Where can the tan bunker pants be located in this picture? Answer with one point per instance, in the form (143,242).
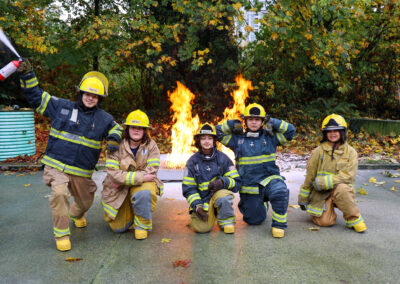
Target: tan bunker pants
(62,187)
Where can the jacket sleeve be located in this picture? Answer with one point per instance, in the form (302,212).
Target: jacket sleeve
(40,100)
(225,134)
(311,173)
(118,175)
(231,177)
(114,132)
(189,188)
(346,174)
(283,130)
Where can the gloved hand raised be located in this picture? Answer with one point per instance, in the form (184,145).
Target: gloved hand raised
(112,146)
(201,213)
(24,67)
(237,127)
(215,185)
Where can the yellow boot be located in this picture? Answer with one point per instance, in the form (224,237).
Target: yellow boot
(63,244)
(360,227)
(140,234)
(229,229)
(80,223)
(278,233)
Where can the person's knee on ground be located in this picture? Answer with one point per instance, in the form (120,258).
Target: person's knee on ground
(253,209)
(328,217)
(200,226)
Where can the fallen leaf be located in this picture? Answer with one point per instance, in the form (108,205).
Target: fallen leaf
(314,228)
(47,196)
(165,240)
(20,175)
(27,184)
(393,188)
(73,259)
(295,206)
(365,184)
(372,179)
(389,174)
(180,213)
(362,191)
(170,198)
(377,183)
(183,263)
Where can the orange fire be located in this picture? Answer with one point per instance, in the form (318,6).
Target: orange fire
(185,126)
(239,97)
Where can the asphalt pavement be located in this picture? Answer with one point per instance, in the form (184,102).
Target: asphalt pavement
(329,255)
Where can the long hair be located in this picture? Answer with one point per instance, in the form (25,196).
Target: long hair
(145,139)
(197,141)
(342,139)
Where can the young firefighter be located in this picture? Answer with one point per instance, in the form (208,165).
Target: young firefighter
(74,146)
(131,186)
(329,182)
(255,159)
(209,181)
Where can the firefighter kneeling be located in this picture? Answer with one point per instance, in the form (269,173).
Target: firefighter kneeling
(329,182)
(131,186)
(209,181)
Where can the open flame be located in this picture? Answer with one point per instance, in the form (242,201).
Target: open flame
(185,126)
(239,98)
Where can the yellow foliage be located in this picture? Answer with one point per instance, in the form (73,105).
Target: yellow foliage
(149,65)
(274,35)
(237,6)
(213,22)
(209,61)
(372,179)
(308,36)
(220,28)
(248,29)
(362,191)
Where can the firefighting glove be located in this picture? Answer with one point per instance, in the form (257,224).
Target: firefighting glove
(215,185)
(268,126)
(303,207)
(201,213)
(112,146)
(24,67)
(237,127)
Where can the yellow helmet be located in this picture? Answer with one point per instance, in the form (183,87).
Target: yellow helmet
(206,129)
(334,122)
(254,110)
(94,83)
(137,118)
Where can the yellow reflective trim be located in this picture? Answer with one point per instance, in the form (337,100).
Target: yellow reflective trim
(226,139)
(189,181)
(66,168)
(73,138)
(112,164)
(193,197)
(109,210)
(43,104)
(141,225)
(225,128)
(130,178)
(249,189)
(267,180)
(256,159)
(279,218)
(61,232)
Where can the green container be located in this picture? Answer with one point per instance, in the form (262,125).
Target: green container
(17,133)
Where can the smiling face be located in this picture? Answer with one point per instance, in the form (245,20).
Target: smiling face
(333,135)
(253,123)
(90,100)
(206,142)
(136,133)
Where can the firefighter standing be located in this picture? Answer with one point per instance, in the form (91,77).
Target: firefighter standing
(329,182)
(74,146)
(255,154)
(209,181)
(131,186)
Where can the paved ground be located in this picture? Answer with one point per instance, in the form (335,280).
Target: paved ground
(251,255)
